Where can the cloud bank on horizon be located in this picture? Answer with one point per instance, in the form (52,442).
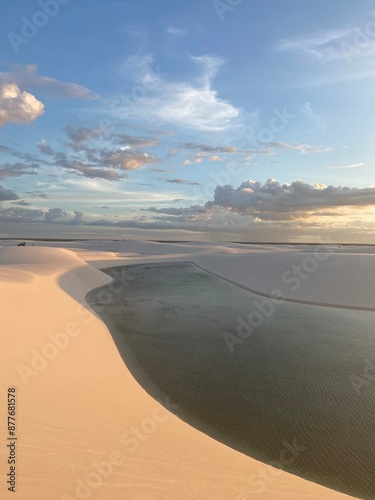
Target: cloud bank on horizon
(161,120)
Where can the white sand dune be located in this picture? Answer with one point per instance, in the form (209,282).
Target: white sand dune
(85,427)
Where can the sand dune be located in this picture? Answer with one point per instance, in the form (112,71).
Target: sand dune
(85,428)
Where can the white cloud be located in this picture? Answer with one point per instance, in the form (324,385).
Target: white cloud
(178,32)
(320,121)
(217,158)
(354,165)
(210,66)
(323,46)
(351,43)
(302,148)
(193,105)
(17,106)
(92,185)
(200,157)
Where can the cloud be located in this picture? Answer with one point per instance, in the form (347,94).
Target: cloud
(207,149)
(193,105)
(92,185)
(17,170)
(27,77)
(302,148)
(273,201)
(17,106)
(183,181)
(54,214)
(18,214)
(7,194)
(23,156)
(80,136)
(263,207)
(45,148)
(91,171)
(198,158)
(252,206)
(110,163)
(354,165)
(212,153)
(37,194)
(333,50)
(323,46)
(210,66)
(126,159)
(5,149)
(320,122)
(21,203)
(190,212)
(216,158)
(78,218)
(130,140)
(178,32)
(87,156)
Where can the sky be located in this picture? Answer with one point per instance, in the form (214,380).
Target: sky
(219,120)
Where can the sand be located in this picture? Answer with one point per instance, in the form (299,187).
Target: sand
(85,428)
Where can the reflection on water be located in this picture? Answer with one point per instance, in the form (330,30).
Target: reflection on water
(300,381)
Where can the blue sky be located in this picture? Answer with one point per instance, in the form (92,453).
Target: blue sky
(220,120)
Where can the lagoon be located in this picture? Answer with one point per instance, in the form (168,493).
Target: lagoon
(298,392)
